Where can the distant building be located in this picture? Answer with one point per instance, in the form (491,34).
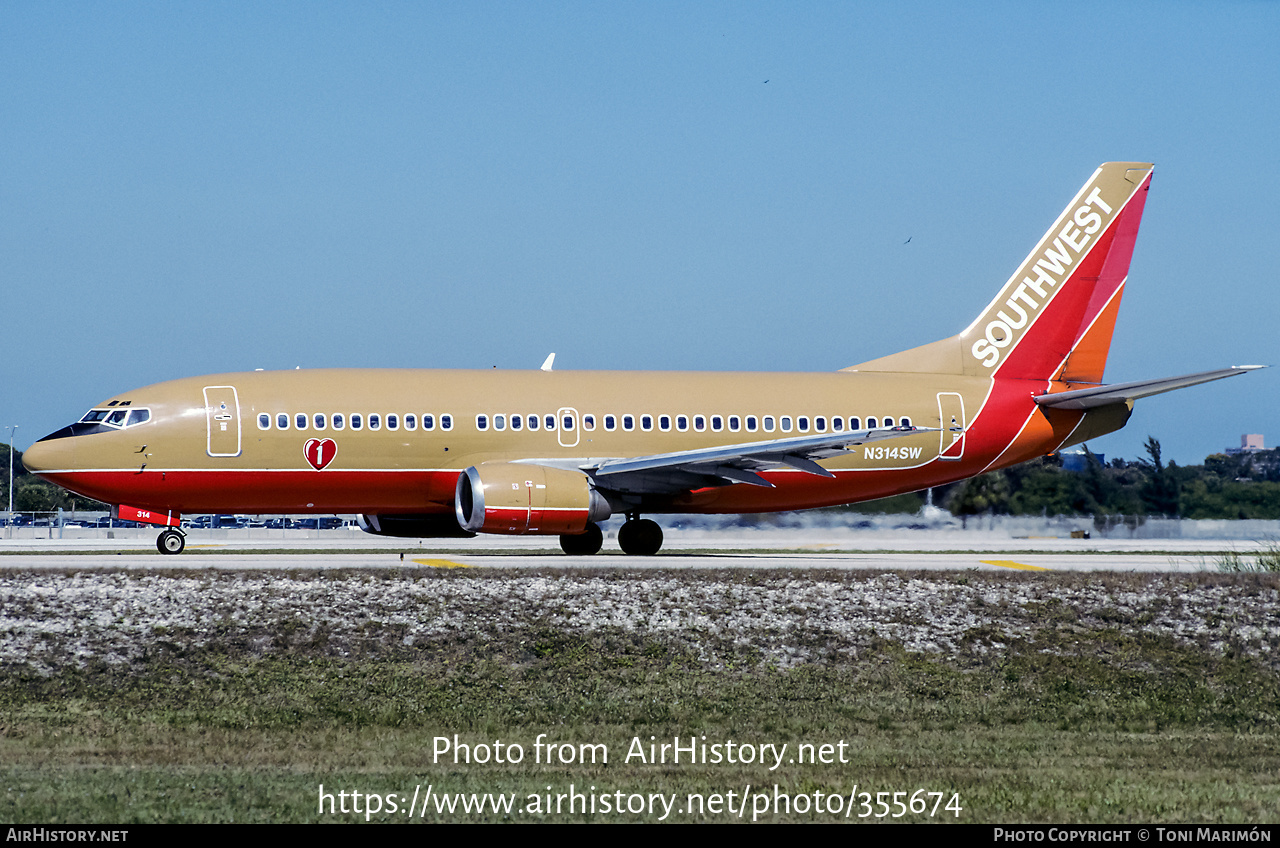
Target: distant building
(1078,460)
(1249,443)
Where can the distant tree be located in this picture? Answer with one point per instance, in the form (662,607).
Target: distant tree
(1225,467)
(982,495)
(1121,492)
(1160,493)
(1049,490)
(1100,486)
(31,494)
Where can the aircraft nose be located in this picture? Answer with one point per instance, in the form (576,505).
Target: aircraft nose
(49,454)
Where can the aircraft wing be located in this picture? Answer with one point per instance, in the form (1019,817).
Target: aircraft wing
(718,466)
(1120,392)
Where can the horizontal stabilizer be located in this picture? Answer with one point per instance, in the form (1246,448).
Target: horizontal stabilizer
(1121,392)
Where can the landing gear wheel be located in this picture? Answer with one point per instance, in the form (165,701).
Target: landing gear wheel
(640,537)
(171,542)
(586,543)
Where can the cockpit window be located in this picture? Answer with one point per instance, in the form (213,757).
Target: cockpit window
(120,417)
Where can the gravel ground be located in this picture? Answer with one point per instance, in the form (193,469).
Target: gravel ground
(49,621)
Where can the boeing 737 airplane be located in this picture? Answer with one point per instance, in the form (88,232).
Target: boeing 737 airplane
(455,453)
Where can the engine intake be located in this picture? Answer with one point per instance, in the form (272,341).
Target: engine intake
(511,498)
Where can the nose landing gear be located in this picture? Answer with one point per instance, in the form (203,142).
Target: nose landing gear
(171,542)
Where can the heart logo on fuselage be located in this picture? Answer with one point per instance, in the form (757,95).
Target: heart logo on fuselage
(320,452)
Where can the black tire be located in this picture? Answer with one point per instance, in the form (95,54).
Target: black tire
(171,542)
(586,543)
(641,537)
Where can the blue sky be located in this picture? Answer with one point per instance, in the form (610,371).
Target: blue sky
(192,188)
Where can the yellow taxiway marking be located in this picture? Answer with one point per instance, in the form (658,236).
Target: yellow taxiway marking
(1005,563)
(442,563)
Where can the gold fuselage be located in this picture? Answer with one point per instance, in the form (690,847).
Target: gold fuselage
(180,461)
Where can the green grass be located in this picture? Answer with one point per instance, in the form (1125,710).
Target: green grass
(1085,718)
(1267,559)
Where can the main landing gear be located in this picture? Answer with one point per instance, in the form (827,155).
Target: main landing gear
(171,542)
(584,544)
(637,537)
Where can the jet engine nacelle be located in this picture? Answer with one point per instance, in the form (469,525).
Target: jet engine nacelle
(511,498)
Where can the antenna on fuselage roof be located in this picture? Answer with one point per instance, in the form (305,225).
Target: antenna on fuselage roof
(546,366)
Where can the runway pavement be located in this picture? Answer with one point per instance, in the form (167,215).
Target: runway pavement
(705,547)
(210,558)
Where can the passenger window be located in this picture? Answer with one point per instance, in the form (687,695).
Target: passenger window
(855,423)
(516,422)
(338,421)
(482,422)
(629,423)
(802,423)
(375,421)
(819,424)
(533,422)
(717,423)
(318,420)
(300,421)
(393,422)
(550,422)
(264,421)
(357,421)
(646,422)
(499,422)
(699,422)
(905,422)
(588,422)
(410,421)
(682,423)
(786,423)
(446,422)
(282,421)
(610,423)
(428,422)
(735,423)
(568,423)
(664,422)
(768,423)
(871,423)
(751,423)
(837,424)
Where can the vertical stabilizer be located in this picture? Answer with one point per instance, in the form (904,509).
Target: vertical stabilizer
(1068,289)
(1054,317)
